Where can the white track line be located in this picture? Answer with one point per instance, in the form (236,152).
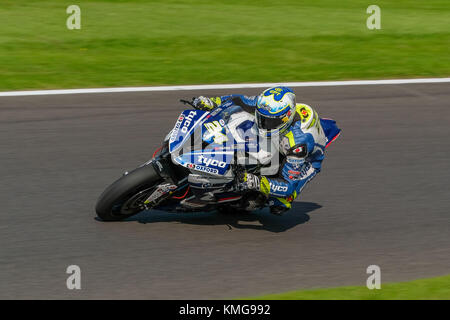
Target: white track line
(222,86)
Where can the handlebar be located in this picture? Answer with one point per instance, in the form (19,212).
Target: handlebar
(188,102)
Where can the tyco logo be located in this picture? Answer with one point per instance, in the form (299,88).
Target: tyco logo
(212,162)
(187,121)
(276,188)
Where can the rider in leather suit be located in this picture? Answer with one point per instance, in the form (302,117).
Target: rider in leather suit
(301,142)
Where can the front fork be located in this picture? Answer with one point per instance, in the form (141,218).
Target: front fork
(174,178)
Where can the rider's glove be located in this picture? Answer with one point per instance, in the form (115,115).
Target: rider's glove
(248,181)
(204,103)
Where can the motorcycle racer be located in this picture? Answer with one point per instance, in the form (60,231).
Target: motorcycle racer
(301,137)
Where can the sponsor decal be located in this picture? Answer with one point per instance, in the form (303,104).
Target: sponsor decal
(212,162)
(201,168)
(276,188)
(176,128)
(187,121)
(298,150)
(160,191)
(304,112)
(206,169)
(215,112)
(296,162)
(160,167)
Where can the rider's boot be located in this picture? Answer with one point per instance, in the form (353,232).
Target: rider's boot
(279,205)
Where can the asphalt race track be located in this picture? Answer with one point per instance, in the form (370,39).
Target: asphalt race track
(382,198)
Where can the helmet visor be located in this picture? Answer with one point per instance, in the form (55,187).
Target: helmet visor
(268,123)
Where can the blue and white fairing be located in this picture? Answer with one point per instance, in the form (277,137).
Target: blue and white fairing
(201,141)
(184,126)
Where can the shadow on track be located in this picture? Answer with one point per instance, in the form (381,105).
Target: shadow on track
(259,220)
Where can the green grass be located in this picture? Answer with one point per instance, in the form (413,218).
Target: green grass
(137,42)
(434,288)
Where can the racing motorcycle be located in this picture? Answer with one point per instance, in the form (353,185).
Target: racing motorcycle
(197,166)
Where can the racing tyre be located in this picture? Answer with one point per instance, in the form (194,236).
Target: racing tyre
(125,197)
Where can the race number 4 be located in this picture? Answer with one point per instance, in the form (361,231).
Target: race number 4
(215,129)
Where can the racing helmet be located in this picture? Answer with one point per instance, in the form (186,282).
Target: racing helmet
(275,110)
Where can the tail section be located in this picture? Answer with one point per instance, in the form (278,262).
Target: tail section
(330,129)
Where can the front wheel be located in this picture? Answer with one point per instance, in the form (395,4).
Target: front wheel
(125,197)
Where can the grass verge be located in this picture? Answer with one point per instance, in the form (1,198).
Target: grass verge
(423,289)
(137,42)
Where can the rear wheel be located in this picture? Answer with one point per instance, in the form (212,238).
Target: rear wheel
(126,196)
